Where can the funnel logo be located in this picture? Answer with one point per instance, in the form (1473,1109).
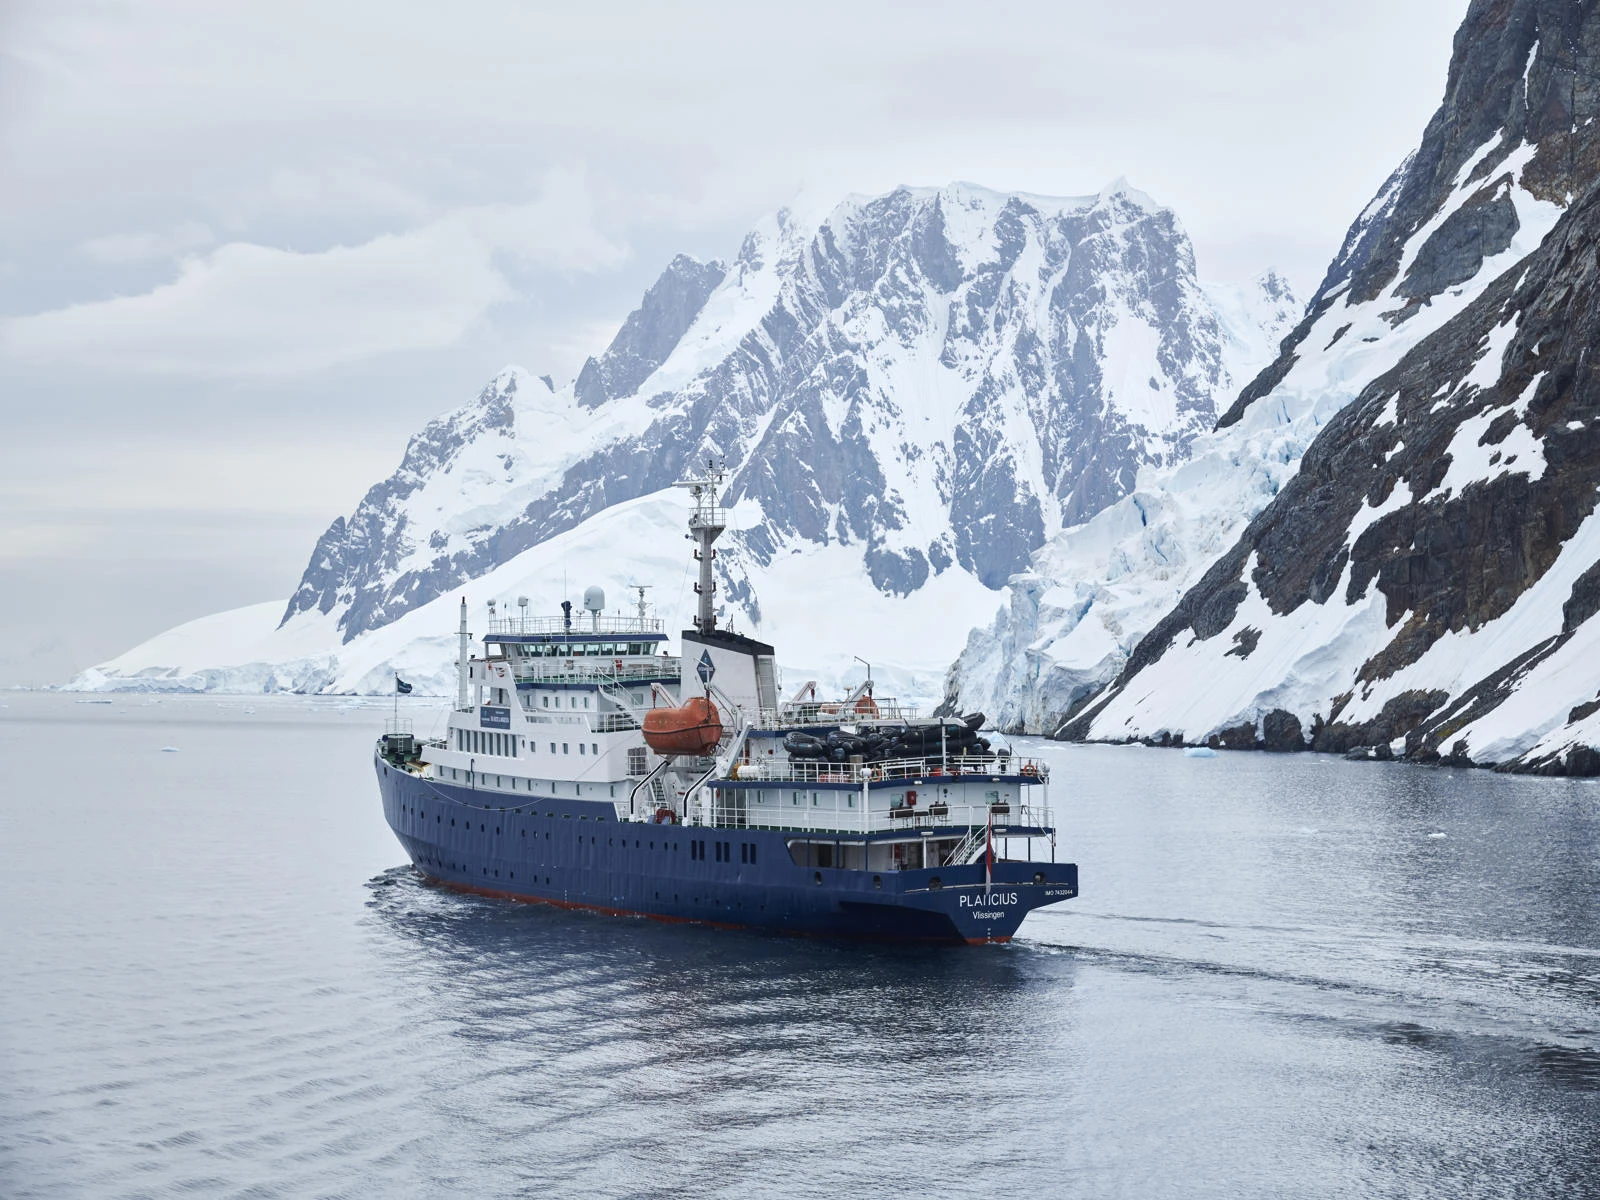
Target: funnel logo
(706,669)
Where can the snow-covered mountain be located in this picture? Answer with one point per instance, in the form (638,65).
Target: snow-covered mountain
(911,391)
(1389,539)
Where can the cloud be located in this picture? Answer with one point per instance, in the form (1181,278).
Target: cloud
(250,310)
(119,248)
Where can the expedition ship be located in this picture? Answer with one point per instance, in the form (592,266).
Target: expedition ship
(584,765)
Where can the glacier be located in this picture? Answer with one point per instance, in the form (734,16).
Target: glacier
(912,392)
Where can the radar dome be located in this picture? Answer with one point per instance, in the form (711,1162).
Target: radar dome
(594,599)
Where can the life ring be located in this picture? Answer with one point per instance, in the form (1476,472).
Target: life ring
(1029,769)
(616,663)
(665,816)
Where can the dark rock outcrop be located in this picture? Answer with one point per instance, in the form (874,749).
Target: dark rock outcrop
(798,405)
(1452,484)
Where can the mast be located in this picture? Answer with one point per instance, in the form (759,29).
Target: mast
(706,523)
(462,670)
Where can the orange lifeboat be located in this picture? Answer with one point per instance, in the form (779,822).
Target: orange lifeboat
(691,728)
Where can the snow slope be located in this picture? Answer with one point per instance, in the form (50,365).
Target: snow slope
(911,392)
(1405,554)
(1471,203)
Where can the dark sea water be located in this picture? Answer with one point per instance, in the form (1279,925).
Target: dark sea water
(1287,976)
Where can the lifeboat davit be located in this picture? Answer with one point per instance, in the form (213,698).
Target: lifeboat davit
(693,728)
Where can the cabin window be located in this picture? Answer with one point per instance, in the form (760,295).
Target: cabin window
(552,747)
(594,747)
(797,796)
(564,749)
(546,701)
(580,748)
(850,800)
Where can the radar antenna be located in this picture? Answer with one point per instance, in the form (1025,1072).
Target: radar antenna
(644,608)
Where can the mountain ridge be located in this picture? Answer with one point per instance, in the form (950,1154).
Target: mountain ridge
(1326,614)
(918,387)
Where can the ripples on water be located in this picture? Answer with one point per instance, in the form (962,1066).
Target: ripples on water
(1281,981)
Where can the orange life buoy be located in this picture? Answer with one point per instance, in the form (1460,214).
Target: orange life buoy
(665,816)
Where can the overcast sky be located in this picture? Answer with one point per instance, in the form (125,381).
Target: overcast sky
(247,248)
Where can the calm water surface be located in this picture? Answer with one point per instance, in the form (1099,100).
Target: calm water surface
(1286,977)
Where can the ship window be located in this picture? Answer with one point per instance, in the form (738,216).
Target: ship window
(580,748)
(594,747)
(552,747)
(752,852)
(850,800)
(564,747)
(546,700)
(797,796)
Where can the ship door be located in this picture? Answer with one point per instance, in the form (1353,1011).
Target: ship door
(734,810)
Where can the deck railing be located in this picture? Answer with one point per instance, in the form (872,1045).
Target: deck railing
(594,669)
(580,625)
(837,712)
(808,771)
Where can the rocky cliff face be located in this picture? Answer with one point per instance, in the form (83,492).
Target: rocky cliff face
(912,391)
(1424,584)
(1495,168)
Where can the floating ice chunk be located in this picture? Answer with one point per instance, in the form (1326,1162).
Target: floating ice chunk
(1199,752)
(169,749)
(1438,835)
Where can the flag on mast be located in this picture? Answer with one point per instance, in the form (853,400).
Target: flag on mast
(401,687)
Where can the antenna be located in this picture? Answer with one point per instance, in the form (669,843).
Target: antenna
(642,588)
(707,520)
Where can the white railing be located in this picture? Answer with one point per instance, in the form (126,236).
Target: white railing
(836,712)
(851,813)
(581,624)
(594,669)
(955,766)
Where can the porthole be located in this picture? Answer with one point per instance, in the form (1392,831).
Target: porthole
(817,876)
(877,881)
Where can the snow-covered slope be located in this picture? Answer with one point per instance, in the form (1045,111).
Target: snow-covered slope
(1420,573)
(911,391)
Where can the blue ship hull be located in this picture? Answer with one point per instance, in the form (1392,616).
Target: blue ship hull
(576,854)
